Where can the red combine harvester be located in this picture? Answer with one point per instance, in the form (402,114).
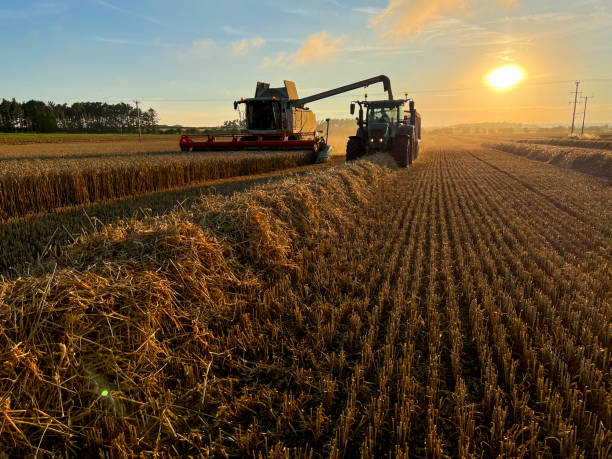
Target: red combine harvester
(277,119)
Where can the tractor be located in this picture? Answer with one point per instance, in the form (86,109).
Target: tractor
(386,127)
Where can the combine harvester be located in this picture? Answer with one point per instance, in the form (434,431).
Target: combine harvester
(277,119)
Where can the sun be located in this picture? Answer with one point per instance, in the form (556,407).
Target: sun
(505,77)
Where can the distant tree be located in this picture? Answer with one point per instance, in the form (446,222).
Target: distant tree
(39,117)
(17,116)
(236,124)
(153,119)
(94,117)
(6,123)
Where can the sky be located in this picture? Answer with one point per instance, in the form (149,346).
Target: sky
(191,59)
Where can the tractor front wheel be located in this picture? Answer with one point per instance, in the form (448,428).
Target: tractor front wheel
(354,148)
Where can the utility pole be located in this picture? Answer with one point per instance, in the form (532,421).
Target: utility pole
(586,99)
(139,130)
(575,103)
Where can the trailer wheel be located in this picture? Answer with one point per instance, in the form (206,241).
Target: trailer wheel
(354,148)
(401,150)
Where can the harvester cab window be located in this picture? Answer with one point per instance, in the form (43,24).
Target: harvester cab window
(263,116)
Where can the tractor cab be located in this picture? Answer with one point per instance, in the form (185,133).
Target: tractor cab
(380,123)
(382,120)
(382,112)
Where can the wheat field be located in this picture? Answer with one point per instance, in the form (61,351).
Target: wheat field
(30,185)
(67,145)
(461,307)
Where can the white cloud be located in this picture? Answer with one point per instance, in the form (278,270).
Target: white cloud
(202,48)
(246,44)
(318,48)
(368,10)
(125,11)
(408,17)
(335,3)
(289,41)
(384,50)
(232,30)
(279,60)
(115,41)
(298,11)
(123,41)
(537,18)
(454,32)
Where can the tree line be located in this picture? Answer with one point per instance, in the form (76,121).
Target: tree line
(80,117)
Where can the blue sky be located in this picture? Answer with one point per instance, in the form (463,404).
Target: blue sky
(190,59)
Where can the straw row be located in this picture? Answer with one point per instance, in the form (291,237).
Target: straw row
(569,142)
(590,161)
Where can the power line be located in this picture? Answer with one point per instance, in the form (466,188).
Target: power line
(416,91)
(139,130)
(586,99)
(575,103)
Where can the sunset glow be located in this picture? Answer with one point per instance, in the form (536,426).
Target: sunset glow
(505,77)
(442,52)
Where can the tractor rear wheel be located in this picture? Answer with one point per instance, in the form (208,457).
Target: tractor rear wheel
(354,148)
(401,150)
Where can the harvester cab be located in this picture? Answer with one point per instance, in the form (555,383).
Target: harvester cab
(271,111)
(386,126)
(276,118)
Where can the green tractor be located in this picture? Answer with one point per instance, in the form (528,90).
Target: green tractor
(388,127)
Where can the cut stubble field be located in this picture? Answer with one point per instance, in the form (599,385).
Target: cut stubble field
(460,307)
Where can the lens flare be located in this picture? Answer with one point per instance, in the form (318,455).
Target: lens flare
(505,77)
